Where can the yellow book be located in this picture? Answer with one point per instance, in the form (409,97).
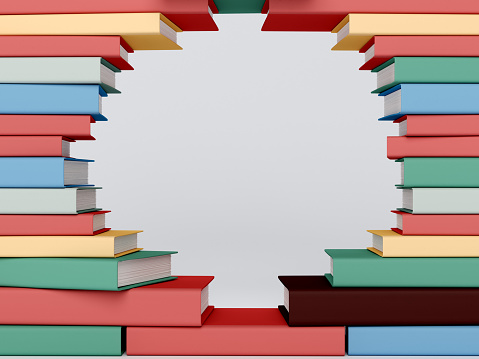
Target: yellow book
(108,244)
(142,31)
(357,29)
(392,244)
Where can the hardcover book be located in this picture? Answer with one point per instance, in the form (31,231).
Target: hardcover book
(438,125)
(34,146)
(440,200)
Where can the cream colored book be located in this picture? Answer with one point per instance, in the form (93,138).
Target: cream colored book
(110,244)
(392,244)
(357,29)
(142,31)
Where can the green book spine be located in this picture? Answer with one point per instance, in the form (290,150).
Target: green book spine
(239,7)
(61,340)
(431,70)
(441,171)
(362,268)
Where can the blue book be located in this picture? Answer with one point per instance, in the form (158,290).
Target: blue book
(39,99)
(412,340)
(430,99)
(43,172)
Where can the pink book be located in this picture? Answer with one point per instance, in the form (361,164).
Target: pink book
(438,125)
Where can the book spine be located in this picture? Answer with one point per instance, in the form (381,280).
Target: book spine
(29,146)
(443,224)
(405,146)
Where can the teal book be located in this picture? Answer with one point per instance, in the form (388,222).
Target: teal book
(362,268)
(439,172)
(61,340)
(112,274)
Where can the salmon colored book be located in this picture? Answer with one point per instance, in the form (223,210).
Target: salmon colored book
(35,146)
(236,331)
(438,125)
(181,302)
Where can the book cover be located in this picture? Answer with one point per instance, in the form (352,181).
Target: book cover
(239,331)
(405,146)
(440,200)
(409,340)
(438,125)
(34,146)
(362,268)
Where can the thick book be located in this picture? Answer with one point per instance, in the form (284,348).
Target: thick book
(438,125)
(43,172)
(75,127)
(412,340)
(61,340)
(141,31)
(362,268)
(391,244)
(59,70)
(430,99)
(46,99)
(433,70)
(35,146)
(48,200)
(440,200)
(409,224)
(113,49)
(110,244)
(238,331)
(183,302)
(312,301)
(439,172)
(455,146)
(113,274)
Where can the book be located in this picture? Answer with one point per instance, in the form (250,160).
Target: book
(190,15)
(241,7)
(440,200)
(312,301)
(355,30)
(362,268)
(433,70)
(391,244)
(125,272)
(383,48)
(410,340)
(48,200)
(35,146)
(238,331)
(75,127)
(182,302)
(43,172)
(430,99)
(403,146)
(141,31)
(59,70)
(52,100)
(113,49)
(110,244)
(438,125)
(409,224)
(61,340)
(439,172)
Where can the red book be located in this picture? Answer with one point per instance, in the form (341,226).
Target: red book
(189,15)
(35,146)
(403,146)
(324,15)
(237,332)
(438,125)
(76,127)
(382,48)
(112,48)
(437,224)
(84,224)
(174,303)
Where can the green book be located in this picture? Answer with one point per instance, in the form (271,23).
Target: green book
(239,6)
(402,70)
(439,172)
(362,268)
(61,340)
(113,274)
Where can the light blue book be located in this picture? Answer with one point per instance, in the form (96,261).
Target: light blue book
(43,99)
(43,172)
(413,340)
(430,99)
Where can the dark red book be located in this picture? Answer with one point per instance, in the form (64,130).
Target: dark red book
(312,301)
(382,48)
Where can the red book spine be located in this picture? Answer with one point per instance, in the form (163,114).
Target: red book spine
(403,146)
(441,125)
(438,224)
(237,332)
(387,47)
(32,146)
